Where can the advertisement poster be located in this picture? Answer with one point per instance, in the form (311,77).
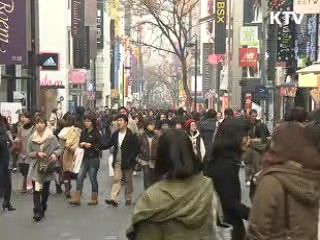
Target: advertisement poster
(248,57)
(249,36)
(11,111)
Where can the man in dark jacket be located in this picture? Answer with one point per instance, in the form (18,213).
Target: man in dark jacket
(207,129)
(126,149)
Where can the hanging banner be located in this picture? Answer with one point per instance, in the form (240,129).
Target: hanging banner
(220,27)
(248,57)
(13,40)
(307,6)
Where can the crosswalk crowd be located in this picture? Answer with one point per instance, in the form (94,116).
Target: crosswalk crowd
(190,164)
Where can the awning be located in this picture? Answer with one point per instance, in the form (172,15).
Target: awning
(308,80)
(315,68)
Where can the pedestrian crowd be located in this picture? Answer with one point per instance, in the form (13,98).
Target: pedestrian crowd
(190,164)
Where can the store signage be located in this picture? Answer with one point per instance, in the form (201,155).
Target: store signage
(284,17)
(286,40)
(207,70)
(220,26)
(100,27)
(78,76)
(249,36)
(248,57)
(81,38)
(307,6)
(77,16)
(48,83)
(13,40)
(49,61)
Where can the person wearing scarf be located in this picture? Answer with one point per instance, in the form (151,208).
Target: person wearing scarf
(43,149)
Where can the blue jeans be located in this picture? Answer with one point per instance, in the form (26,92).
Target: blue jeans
(90,166)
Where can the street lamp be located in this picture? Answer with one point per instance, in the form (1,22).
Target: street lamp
(195,71)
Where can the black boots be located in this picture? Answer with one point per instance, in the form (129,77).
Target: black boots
(40,205)
(8,206)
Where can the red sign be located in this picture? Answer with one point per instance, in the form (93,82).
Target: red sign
(248,102)
(248,57)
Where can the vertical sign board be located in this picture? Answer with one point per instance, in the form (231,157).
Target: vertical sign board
(207,71)
(286,40)
(220,27)
(100,27)
(81,59)
(13,38)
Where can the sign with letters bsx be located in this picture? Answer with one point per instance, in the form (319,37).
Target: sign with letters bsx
(220,27)
(13,43)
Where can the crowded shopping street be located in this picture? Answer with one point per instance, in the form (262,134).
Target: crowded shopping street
(159,119)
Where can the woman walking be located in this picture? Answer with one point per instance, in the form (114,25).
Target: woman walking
(44,151)
(148,142)
(24,133)
(286,201)
(197,141)
(5,175)
(223,167)
(180,205)
(90,142)
(69,138)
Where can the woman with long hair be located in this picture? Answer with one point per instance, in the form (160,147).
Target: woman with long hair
(286,200)
(43,150)
(69,138)
(180,204)
(90,142)
(5,175)
(223,167)
(197,141)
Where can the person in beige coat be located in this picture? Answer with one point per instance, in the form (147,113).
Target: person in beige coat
(286,201)
(69,138)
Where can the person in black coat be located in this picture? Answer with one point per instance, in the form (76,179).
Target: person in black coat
(223,168)
(5,175)
(126,149)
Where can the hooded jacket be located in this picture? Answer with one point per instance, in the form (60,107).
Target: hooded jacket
(286,200)
(175,210)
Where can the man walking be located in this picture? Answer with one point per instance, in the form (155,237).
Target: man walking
(126,149)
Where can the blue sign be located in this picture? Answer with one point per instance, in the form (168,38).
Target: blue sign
(261,91)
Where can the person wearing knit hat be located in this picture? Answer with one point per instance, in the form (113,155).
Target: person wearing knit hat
(286,201)
(197,142)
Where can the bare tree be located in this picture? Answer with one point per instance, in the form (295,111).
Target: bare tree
(169,21)
(159,75)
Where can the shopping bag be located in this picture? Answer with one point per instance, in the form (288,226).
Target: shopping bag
(110,161)
(77,160)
